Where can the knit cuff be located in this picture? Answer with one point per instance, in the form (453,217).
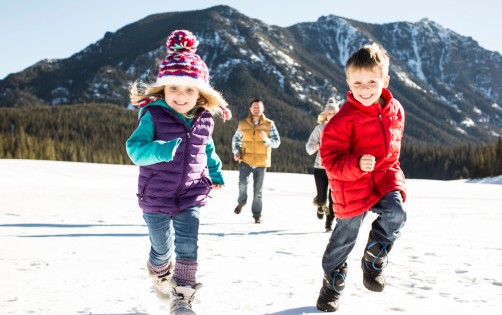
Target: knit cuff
(184,273)
(160,271)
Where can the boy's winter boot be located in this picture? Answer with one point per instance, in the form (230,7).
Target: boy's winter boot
(373,262)
(332,285)
(161,285)
(181,303)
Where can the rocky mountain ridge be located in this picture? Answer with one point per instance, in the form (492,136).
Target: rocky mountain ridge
(450,87)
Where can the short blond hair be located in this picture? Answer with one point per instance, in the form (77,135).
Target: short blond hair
(369,57)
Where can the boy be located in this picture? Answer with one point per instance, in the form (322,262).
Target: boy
(360,149)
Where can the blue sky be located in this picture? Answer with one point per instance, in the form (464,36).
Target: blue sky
(33,30)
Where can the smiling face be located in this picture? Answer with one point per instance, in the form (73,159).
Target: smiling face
(181,98)
(330,114)
(256,109)
(366,85)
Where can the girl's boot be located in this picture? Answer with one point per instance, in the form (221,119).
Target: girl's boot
(184,286)
(161,277)
(183,296)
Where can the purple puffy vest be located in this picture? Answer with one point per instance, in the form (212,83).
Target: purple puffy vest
(171,187)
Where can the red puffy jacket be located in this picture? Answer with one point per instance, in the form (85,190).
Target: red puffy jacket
(354,131)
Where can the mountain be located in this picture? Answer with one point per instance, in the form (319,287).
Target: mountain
(450,87)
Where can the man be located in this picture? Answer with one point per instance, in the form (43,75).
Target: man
(252,146)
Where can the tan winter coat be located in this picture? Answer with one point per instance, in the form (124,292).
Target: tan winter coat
(254,152)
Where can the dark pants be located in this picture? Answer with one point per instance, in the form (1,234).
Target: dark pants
(323,191)
(385,229)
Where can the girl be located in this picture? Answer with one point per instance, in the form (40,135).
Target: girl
(320,176)
(178,165)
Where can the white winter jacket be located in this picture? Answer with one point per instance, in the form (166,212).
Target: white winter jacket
(312,145)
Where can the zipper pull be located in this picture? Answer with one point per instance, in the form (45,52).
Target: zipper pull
(188,135)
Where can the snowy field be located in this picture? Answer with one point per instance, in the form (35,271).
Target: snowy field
(72,241)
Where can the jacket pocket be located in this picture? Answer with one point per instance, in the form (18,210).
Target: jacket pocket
(141,190)
(208,183)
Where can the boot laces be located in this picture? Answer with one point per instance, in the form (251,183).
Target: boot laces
(380,260)
(181,302)
(338,278)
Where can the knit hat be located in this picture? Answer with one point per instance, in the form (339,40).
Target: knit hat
(182,66)
(331,105)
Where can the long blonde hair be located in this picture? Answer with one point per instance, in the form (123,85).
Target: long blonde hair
(140,92)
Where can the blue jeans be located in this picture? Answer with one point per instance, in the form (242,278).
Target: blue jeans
(258,177)
(180,230)
(385,229)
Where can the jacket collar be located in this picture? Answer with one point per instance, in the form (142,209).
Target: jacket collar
(250,119)
(386,95)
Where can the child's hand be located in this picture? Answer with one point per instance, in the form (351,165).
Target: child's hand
(367,163)
(237,156)
(217,186)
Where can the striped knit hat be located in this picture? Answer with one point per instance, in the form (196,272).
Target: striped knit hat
(182,66)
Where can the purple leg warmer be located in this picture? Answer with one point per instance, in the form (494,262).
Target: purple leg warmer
(184,273)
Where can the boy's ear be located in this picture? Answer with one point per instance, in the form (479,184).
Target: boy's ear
(386,81)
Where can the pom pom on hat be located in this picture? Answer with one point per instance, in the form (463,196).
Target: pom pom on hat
(181,41)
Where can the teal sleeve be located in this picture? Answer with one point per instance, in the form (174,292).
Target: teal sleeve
(214,163)
(144,150)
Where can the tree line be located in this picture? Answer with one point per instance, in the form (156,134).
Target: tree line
(96,133)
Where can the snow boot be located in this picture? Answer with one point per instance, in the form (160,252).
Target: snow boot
(183,296)
(161,285)
(239,207)
(321,208)
(373,262)
(332,285)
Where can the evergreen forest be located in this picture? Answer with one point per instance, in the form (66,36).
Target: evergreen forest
(96,133)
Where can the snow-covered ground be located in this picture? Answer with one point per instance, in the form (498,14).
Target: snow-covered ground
(72,241)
